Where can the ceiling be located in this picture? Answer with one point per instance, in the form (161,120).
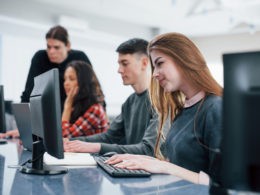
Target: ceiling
(195,18)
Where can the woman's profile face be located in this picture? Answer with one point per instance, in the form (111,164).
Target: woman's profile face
(166,72)
(57,50)
(70,80)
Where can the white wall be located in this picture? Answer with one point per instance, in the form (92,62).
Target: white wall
(16,56)
(215,46)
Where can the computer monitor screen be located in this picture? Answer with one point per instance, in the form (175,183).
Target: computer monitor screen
(46,123)
(2,110)
(241,132)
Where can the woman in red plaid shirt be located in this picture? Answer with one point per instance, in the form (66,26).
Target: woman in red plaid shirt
(84,113)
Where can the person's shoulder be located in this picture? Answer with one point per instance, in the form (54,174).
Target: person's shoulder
(40,56)
(129,100)
(78,55)
(130,97)
(41,53)
(135,97)
(96,106)
(213,101)
(74,52)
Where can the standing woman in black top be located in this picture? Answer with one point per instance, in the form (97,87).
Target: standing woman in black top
(57,55)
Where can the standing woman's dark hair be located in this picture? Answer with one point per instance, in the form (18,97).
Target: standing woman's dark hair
(89,91)
(59,33)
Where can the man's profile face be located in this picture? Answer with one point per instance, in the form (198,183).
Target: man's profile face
(130,68)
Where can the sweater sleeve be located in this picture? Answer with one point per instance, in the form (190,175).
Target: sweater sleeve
(92,122)
(145,147)
(34,70)
(114,134)
(110,140)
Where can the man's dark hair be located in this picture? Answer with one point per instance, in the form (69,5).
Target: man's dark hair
(131,46)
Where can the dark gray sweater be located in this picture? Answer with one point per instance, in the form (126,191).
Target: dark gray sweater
(133,131)
(182,145)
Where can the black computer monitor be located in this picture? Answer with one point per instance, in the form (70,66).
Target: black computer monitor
(46,123)
(2,110)
(241,132)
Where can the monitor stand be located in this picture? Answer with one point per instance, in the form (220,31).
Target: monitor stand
(38,167)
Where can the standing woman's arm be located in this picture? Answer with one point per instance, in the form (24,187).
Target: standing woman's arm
(35,70)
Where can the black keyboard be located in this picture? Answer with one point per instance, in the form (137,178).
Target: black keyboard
(119,172)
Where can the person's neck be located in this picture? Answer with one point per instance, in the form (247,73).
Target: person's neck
(194,99)
(141,86)
(189,91)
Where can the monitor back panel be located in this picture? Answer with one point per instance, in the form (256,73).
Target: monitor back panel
(22,116)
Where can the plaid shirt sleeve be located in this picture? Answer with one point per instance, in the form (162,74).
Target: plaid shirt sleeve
(92,122)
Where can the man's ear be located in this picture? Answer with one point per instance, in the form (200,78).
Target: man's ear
(145,62)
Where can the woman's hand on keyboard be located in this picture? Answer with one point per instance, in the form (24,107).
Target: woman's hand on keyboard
(131,161)
(152,165)
(146,163)
(123,157)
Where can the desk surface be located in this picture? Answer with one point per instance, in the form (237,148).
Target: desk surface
(88,180)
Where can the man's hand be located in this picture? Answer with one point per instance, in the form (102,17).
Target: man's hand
(13,134)
(80,146)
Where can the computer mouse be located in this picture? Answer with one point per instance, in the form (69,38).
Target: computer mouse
(109,154)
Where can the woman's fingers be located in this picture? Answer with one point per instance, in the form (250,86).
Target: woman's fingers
(73,92)
(119,158)
(115,159)
(128,164)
